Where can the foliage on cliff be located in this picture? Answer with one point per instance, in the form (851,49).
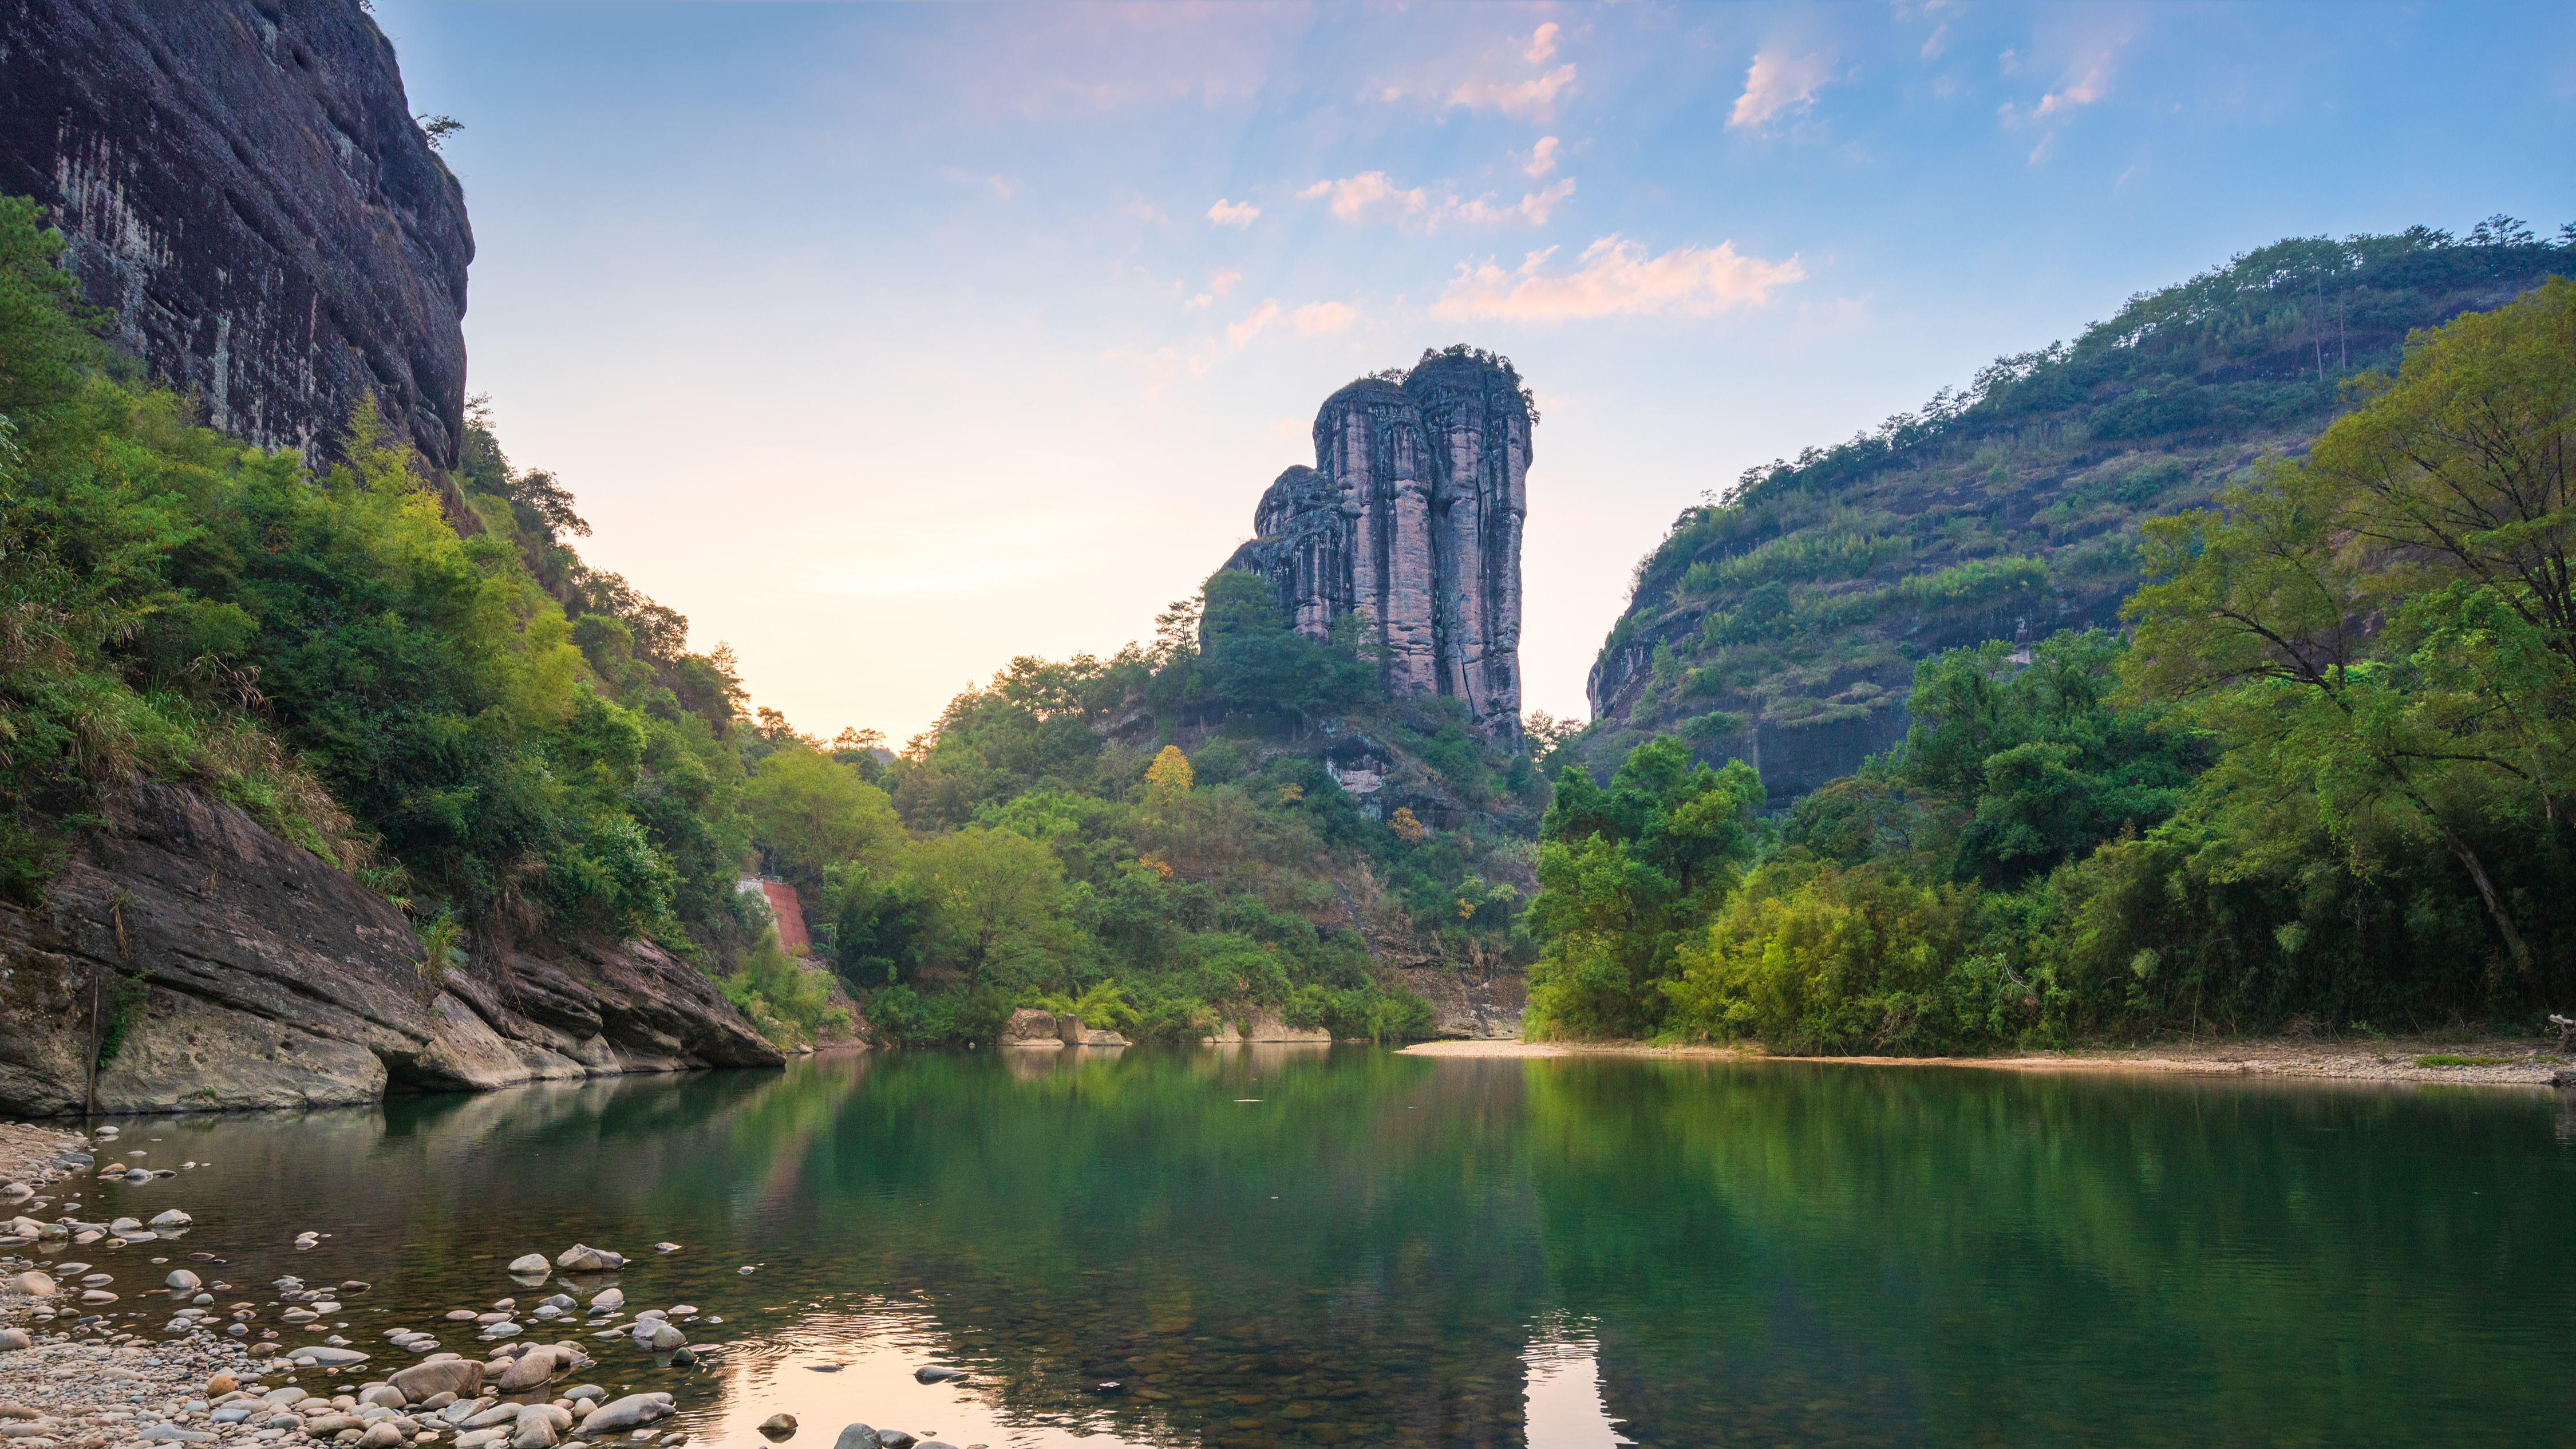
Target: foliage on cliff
(1781,622)
(514,742)
(2330,782)
(480,726)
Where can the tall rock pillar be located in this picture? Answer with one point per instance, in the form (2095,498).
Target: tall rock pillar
(1369,448)
(1478,427)
(1411,518)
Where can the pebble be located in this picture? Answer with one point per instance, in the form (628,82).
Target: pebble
(779,1426)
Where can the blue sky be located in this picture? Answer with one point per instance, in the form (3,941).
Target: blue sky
(890,341)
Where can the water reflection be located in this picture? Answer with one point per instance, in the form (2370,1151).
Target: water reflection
(1281,1246)
(1561,1399)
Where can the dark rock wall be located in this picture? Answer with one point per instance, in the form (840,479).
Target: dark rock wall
(243,187)
(258,976)
(1411,518)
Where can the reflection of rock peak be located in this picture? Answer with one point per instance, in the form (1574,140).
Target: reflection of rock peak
(1411,518)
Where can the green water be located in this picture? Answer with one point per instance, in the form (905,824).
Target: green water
(1390,1250)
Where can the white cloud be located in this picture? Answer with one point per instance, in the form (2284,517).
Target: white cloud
(1542,44)
(1530,210)
(1542,157)
(1617,278)
(1232,213)
(1372,199)
(1533,99)
(1369,197)
(1775,83)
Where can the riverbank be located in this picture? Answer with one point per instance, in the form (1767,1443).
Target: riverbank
(2490,1062)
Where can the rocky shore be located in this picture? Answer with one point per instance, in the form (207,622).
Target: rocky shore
(150,1346)
(215,966)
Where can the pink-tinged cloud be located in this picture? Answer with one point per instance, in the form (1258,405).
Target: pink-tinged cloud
(1312,320)
(1542,157)
(1370,198)
(1373,199)
(1531,210)
(1533,99)
(2093,87)
(1232,213)
(1617,278)
(1542,44)
(1241,333)
(1317,318)
(1778,83)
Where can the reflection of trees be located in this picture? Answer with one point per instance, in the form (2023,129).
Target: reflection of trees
(1116,1218)
(1901,1256)
(1767,1252)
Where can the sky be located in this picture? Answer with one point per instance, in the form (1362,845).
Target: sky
(890,342)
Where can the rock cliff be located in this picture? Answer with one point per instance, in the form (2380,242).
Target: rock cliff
(245,191)
(1411,518)
(231,969)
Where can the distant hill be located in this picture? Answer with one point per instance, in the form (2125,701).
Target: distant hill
(1780,622)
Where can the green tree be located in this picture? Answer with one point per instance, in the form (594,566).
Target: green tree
(2390,621)
(813,813)
(995,894)
(1624,874)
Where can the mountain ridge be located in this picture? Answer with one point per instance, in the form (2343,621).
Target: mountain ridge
(1780,622)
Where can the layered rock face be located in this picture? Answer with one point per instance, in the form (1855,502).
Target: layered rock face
(244,189)
(1411,519)
(241,971)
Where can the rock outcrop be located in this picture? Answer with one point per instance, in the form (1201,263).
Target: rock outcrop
(235,970)
(244,189)
(1411,519)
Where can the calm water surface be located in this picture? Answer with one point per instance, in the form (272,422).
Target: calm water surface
(1283,1246)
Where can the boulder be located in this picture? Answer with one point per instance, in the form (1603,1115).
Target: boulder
(36,1283)
(858,1436)
(171,1219)
(531,1369)
(627,1413)
(580,1259)
(529,1264)
(1030,1027)
(462,1377)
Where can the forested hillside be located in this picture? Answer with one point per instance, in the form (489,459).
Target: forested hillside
(416,676)
(2321,784)
(1781,622)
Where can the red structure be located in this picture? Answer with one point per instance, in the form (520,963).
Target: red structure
(790,916)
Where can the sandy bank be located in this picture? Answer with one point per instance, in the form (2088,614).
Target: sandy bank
(2387,1059)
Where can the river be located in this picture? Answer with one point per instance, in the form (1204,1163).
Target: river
(1293,1246)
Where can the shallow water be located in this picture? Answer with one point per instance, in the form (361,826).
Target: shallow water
(1295,1246)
